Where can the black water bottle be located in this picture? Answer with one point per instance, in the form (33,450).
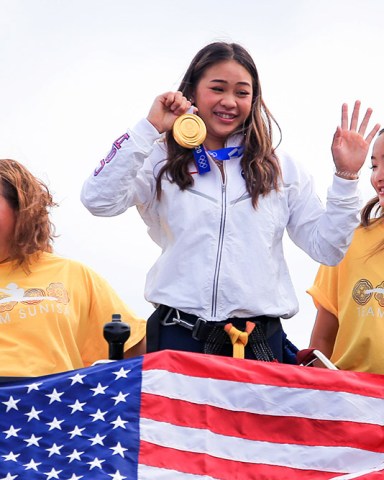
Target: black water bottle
(116,334)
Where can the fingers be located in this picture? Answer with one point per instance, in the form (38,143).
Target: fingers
(166,108)
(344,116)
(176,102)
(337,138)
(355,120)
(372,133)
(355,115)
(365,121)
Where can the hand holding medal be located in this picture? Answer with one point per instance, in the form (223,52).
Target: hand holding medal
(188,129)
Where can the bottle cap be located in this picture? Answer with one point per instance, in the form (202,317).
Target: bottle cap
(189,130)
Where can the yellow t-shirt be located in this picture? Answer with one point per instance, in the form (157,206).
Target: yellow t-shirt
(52,319)
(354,292)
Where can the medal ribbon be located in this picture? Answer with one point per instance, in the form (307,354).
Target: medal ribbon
(201,156)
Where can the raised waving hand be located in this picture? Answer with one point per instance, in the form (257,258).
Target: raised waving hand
(350,143)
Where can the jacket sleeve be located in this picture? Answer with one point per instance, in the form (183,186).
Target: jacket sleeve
(323,232)
(121,180)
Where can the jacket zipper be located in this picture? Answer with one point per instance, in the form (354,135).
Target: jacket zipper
(219,244)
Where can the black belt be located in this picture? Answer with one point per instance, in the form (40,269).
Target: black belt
(201,329)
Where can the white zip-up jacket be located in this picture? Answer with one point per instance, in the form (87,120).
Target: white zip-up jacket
(220,257)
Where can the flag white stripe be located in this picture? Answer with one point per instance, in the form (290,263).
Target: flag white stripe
(361,473)
(145,472)
(265,399)
(328,459)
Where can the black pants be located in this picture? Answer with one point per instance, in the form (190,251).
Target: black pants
(176,337)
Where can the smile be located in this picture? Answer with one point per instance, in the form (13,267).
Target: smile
(226,116)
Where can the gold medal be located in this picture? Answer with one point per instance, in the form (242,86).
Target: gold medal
(189,130)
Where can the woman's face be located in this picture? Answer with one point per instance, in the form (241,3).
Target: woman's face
(223,97)
(7,226)
(377,177)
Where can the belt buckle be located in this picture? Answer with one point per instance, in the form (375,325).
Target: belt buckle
(196,328)
(167,321)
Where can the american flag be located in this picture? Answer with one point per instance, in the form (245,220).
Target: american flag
(183,416)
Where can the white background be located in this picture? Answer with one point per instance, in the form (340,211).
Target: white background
(74,74)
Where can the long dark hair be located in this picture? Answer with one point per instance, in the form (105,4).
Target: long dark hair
(372,207)
(371,213)
(259,163)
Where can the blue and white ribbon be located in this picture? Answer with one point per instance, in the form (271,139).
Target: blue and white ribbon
(202,161)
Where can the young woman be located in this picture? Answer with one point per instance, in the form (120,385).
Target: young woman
(349,327)
(218,210)
(52,309)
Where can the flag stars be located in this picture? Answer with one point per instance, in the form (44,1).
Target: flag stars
(32,465)
(99,389)
(99,415)
(33,386)
(32,440)
(120,397)
(77,378)
(33,414)
(117,475)
(54,450)
(97,440)
(119,422)
(11,457)
(77,432)
(68,432)
(9,477)
(54,396)
(11,403)
(118,449)
(11,432)
(53,473)
(122,373)
(75,455)
(95,463)
(77,406)
(55,424)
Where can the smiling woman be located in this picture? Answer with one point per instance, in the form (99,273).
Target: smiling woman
(224,94)
(221,284)
(349,297)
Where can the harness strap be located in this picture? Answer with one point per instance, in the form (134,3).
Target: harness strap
(213,336)
(260,346)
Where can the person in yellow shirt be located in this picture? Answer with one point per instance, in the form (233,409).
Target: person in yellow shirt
(52,309)
(349,326)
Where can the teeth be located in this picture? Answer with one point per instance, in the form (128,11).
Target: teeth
(225,115)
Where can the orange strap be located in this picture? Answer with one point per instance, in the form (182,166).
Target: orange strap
(238,338)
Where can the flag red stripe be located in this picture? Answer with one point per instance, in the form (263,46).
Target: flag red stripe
(251,371)
(202,464)
(184,394)
(291,430)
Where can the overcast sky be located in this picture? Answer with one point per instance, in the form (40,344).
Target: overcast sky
(76,73)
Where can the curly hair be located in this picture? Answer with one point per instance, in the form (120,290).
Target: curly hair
(259,163)
(31,201)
